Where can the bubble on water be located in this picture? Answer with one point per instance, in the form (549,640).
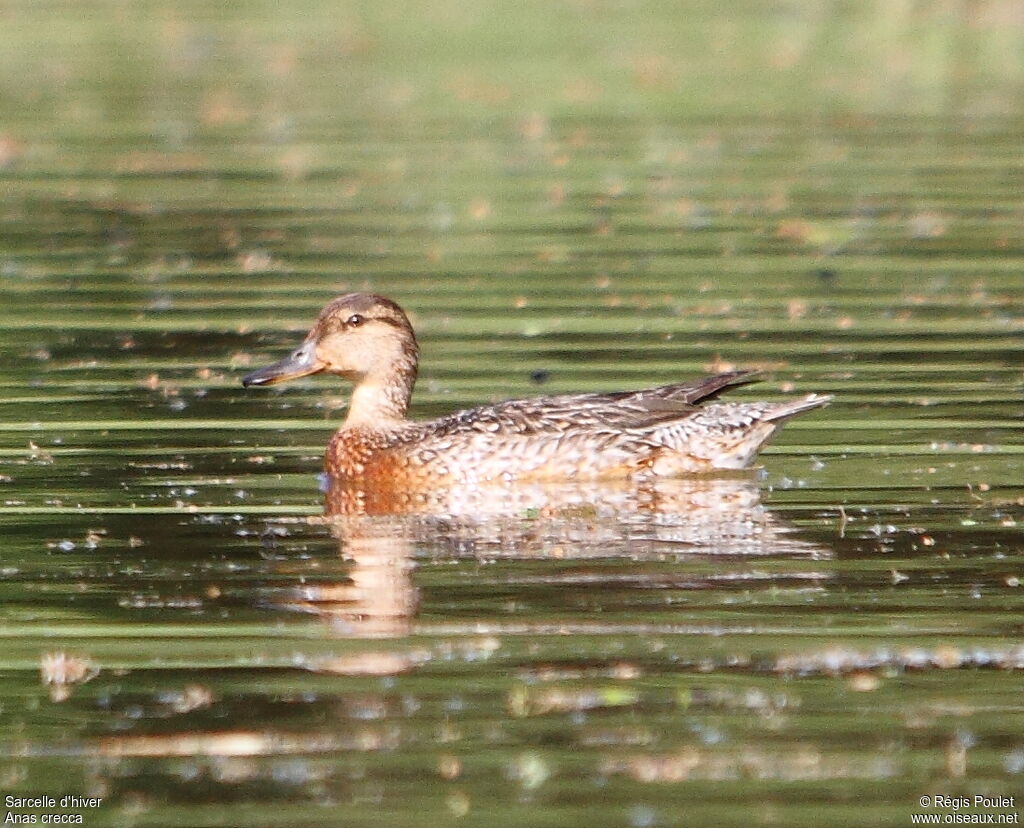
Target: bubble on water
(187,771)
(291,772)
(965,738)
(1013,762)
(709,735)
(531,770)
(642,816)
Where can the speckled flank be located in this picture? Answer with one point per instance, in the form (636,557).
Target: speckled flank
(653,432)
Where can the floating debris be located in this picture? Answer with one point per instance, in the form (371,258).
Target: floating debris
(524,701)
(228,743)
(862,682)
(61,671)
(370,663)
(191,697)
(843,660)
(749,762)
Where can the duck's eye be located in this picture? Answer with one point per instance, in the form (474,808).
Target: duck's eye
(355,320)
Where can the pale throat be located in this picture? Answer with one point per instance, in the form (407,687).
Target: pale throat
(380,399)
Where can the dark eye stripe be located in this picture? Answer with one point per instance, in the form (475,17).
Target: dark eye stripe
(357,320)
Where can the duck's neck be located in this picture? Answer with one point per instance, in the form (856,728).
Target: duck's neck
(381,398)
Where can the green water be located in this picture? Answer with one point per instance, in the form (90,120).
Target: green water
(565,197)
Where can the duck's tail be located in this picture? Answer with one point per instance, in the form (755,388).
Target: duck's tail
(780,412)
(725,435)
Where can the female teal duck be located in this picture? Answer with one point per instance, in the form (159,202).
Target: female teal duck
(670,430)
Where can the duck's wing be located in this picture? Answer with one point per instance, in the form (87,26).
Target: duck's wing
(600,412)
(702,389)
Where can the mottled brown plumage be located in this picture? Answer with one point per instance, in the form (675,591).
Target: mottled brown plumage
(654,432)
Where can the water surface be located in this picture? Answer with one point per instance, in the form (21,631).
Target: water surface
(829,637)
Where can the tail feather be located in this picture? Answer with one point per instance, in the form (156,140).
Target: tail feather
(724,435)
(783,411)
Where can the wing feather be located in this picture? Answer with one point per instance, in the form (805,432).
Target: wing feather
(618,411)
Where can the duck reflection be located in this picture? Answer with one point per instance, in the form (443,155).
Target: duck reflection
(379,598)
(381,533)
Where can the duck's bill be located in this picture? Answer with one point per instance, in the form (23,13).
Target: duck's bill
(301,363)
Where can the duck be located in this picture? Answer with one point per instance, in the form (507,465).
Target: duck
(664,431)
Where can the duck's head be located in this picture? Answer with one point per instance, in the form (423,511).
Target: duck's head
(360,336)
